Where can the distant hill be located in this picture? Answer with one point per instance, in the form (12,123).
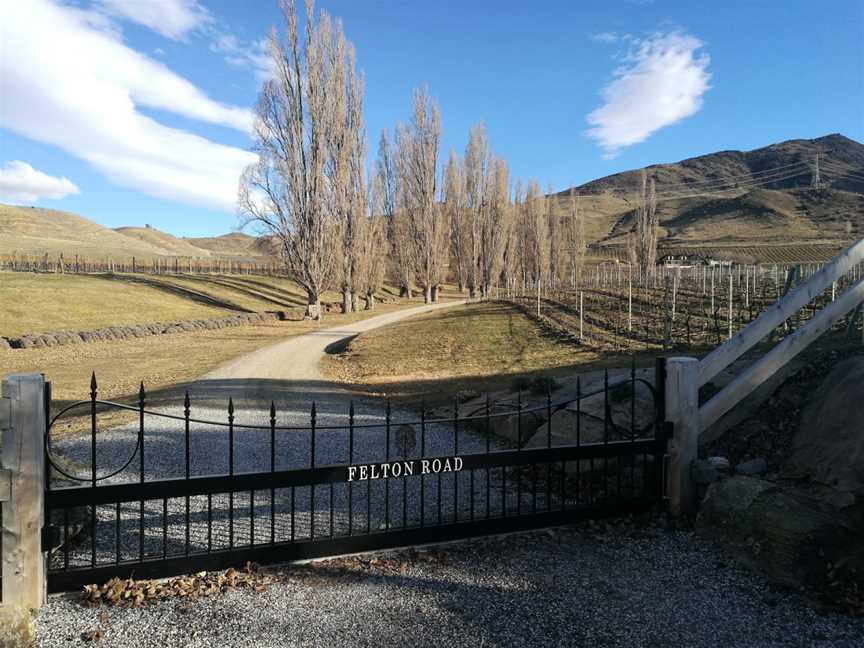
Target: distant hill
(235,245)
(33,230)
(173,245)
(37,231)
(732,198)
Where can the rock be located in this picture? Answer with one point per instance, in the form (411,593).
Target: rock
(4,344)
(516,428)
(705,473)
(720,463)
(787,534)
(753,467)
(829,444)
(49,341)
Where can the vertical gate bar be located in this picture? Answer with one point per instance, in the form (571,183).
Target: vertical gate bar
(387,459)
(209,522)
(164,527)
(312,418)
(141,399)
(66,538)
(187,408)
(549,445)
(422,454)
(292,514)
(633,434)
(93,393)
(518,448)
(230,472)
(350,461)
(488,469)
(273,469)
(251,517)
(606,415)
(456,453)
(117,532)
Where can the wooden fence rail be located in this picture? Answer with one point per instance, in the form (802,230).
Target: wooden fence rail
(684,376)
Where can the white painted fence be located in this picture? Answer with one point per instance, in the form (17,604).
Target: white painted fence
(684,376)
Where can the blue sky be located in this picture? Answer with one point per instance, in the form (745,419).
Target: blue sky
(137,111)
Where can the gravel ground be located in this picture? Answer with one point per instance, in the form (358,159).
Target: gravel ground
(577,586)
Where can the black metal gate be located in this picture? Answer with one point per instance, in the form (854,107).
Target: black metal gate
(398,483)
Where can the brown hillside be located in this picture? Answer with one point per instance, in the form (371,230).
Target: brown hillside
(235,245)
(731,198)
(158,238)
(33,230)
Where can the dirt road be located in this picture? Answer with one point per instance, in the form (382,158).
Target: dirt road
(291,368)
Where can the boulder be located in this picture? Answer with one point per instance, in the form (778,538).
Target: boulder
(49,340)
(753,467)
(789,535)
(829,444)
(4,344)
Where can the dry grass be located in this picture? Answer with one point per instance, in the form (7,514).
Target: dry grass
(42,302)
(478,340)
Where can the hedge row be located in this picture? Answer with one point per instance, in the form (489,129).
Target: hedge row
(62,338)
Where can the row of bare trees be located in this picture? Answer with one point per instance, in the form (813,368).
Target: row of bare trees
(406,223)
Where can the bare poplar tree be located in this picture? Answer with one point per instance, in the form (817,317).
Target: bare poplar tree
(536,224)
(477,201)
(646,226)
(372,247)
(386,183)
(496,224)
(295,188)
(557,238)
(454,204)
(417,163)
(575,237)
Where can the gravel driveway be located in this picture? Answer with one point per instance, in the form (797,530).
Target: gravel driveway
(575,586)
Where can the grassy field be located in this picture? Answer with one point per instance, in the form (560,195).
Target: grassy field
(477,347)
(34,303)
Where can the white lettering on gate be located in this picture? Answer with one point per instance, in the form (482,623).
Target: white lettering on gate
(364,472)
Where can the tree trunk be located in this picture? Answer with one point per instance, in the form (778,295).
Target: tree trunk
(472,292)
(313,306)
(427,294)
(405,291)
(370,301)
(461,287)
(355,306)
(435,294)
(346,301)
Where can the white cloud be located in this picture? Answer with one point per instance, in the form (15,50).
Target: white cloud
(254,56)
(67,82)
(173,19)
(21,183)
(661,83)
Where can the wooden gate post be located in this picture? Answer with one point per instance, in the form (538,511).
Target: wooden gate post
(682,410)
(22,471)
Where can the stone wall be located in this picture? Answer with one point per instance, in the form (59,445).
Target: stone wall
(62,338)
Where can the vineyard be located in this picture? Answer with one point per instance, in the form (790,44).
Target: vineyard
(694,308)
(747,254)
